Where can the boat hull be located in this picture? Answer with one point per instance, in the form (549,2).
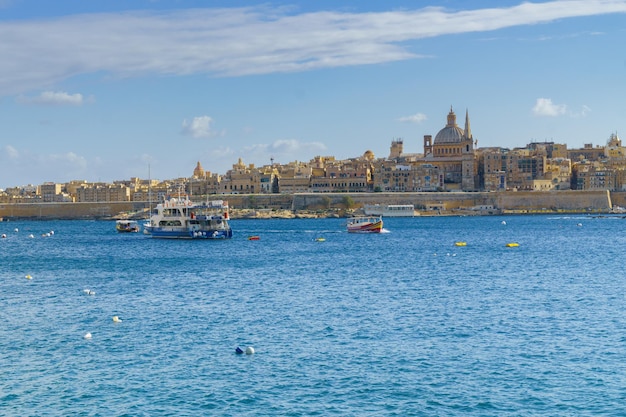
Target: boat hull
(162,233)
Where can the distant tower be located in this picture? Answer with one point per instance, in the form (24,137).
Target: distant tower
(397,147)
(428,145)
(469,165)
(468,132)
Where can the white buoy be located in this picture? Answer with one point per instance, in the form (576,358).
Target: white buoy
(249,350)
(4,236)
(87,335)
(579,224)
(31,236)
(503,222)
(16,230)
(116,319)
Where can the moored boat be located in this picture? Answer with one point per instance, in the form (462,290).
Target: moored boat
(365,224)
(389,210)
(127,226)
(183,219)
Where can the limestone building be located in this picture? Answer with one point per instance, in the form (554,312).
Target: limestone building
(453,153)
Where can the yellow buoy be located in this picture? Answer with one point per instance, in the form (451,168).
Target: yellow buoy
(28,277)
(460,244)
(512,245)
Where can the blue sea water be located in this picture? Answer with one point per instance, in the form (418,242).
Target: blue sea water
(402,323)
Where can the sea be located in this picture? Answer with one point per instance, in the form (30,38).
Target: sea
(402,323)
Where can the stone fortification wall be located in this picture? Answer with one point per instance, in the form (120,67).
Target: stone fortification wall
(45,211)
(590,201)
(521,201)
(514,201)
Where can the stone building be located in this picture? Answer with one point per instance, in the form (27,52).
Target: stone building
(453,153)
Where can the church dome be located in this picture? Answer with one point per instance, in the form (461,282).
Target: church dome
(452,133)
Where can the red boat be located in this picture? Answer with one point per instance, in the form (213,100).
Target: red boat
(365,224)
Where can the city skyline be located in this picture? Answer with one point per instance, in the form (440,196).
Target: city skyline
(116,89)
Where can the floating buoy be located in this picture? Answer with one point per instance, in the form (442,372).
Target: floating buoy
(320,239)
(254,237)
(249,350)
(512,245)
(460,244)
(503,223)
(238,351)
(28,277)
(117,319)
(579,225)
(16,230)
(4,236)
(31,236)
(87,335)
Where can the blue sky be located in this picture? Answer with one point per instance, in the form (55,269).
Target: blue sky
(105,90)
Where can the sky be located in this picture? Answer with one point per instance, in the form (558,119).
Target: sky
(106,90)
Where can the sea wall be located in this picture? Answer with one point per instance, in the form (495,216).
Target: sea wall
(485,202)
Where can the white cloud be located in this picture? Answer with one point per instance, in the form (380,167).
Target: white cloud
(545,107)
(242,41)
(285,150)
(198,127)
(69,161)
(416,118)
(53,98)
(11,152)
(291,146)
(30,166)
(584,112)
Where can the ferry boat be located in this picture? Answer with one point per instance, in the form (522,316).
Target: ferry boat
(181,218)
(365,224)
(389,210)
(127,226)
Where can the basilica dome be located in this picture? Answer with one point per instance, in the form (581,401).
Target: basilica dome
(452,133)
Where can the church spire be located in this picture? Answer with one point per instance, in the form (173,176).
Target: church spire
(468,131)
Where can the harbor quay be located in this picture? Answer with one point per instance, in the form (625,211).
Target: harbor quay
(344,204)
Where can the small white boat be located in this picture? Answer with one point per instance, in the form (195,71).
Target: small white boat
(365,224)
(127,226)
(183,219)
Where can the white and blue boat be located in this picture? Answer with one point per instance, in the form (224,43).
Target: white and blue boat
(181,218)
